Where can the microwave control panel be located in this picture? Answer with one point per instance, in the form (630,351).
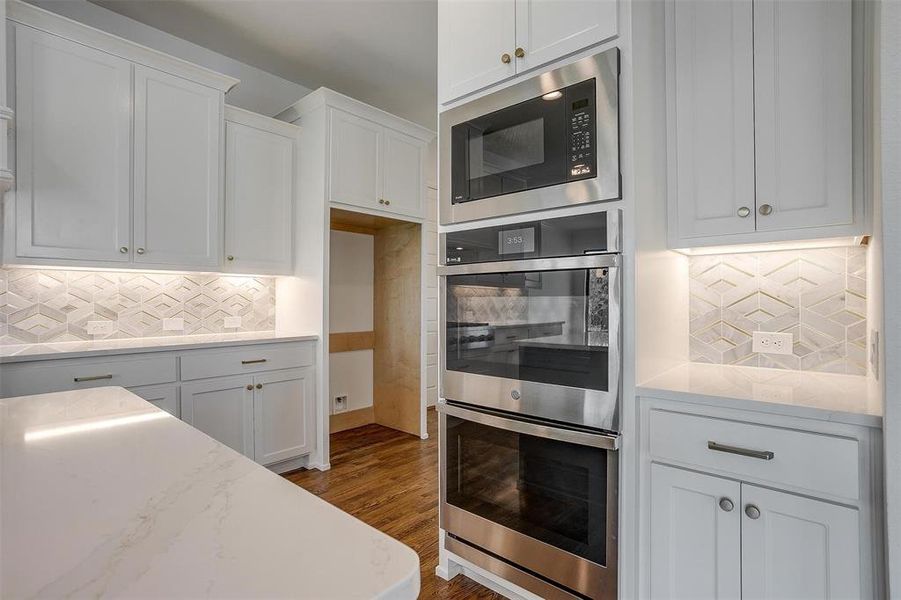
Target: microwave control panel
(581,131)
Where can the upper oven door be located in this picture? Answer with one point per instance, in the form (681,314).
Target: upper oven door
(549,141)
(536,337)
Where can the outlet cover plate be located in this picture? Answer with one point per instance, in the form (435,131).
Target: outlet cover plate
(174,324)
(339,404)
(100,327)
(767,342)
(232,322)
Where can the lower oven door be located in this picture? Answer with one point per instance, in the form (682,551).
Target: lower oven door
(540,497)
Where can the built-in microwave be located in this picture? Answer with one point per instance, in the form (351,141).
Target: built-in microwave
(549,141)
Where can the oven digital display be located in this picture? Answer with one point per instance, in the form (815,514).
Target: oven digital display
(516,241)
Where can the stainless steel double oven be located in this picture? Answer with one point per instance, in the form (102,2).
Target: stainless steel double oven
(529,416)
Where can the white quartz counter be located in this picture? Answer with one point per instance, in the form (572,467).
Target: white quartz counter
(849,399)
(103,495)
(30,352)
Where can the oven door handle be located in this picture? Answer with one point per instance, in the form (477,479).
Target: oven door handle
(588,261)
(595,440)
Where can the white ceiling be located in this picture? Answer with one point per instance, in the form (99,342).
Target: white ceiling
(383,52)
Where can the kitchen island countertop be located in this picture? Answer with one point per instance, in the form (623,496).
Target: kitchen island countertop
(103,495)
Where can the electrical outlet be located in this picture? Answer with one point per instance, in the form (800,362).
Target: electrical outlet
(340,404)
(174,324)
(232,322)
(100,327)
(772,343)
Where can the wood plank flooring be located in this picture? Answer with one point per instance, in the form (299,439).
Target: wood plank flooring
(389,480)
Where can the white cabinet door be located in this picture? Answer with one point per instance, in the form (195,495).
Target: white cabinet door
(710,72)
(404,181)
(73,150)
(803,103)
(473,36)
(223,409)
(355,171)
(161,396)
(547,30)
(259,200)
(695,542)
(176,171)
(798,548)
(283,418)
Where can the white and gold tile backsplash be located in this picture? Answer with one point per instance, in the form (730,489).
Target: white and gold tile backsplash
(819,296)
(43,305)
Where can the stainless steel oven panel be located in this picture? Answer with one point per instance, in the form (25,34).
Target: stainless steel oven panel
(574,572)
(604,67)
(591,408)
(614,235)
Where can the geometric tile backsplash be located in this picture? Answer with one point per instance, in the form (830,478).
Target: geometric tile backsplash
(44,305)
(818,295)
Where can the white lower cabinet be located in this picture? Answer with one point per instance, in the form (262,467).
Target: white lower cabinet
(695,535)
(161,396)
(222,408)
(737,506)
(282,415)
(797,547)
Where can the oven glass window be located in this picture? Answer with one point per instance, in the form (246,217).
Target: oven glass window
(545,326)
(549,490)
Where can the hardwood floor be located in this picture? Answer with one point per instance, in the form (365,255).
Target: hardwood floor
(389,479)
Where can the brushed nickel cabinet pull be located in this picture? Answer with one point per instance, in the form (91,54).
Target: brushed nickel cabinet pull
(259,386)
(253,362)
(93,378)
(761,454)
(249,386)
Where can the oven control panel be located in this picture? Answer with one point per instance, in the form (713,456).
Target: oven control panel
(581,130)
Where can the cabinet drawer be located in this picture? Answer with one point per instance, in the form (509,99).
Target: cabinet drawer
(41,377)
(815,462)
(246,359)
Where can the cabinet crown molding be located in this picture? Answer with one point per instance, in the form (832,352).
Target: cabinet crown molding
(44,20)
(326,97)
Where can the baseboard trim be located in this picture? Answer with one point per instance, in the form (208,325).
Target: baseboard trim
(351,419)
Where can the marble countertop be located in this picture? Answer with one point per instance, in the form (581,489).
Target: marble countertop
(103,495)
(852,399)
(57,350)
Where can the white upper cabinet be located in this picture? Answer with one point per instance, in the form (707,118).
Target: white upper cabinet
(403,186)
(355,151)
(177,170)
(476,42)
(484,42)
(73,151)
(259,193)
(803,99)
(764,126)
(711,56)
(796,547)
(118,150)
(550,29)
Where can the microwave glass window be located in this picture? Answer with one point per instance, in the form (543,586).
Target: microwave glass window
(549,490)
(506,150)
(548,327)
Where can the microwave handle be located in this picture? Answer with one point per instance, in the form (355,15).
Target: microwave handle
(588,261)
(595,440)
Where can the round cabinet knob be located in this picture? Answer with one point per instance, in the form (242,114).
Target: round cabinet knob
(140,251)
(381,201)
(765,209)
(230,257)
(249,386)
(519,53)
(744,211)
(124,249)
(505,58)
(752,511)
(387,202)
(726,504)
(259,386)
